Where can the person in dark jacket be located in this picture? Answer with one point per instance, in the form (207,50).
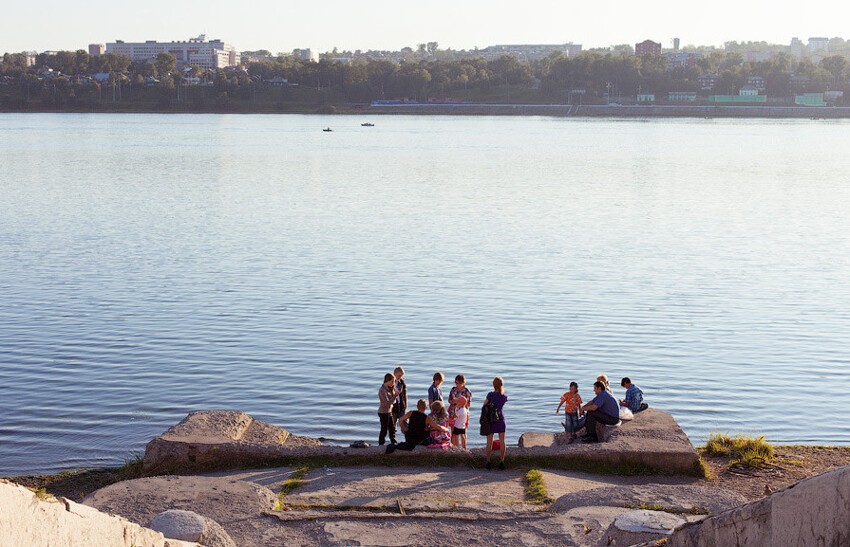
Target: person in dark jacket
(415,425)
(400,406)
(386,400)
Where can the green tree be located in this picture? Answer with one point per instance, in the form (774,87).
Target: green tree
(165,63)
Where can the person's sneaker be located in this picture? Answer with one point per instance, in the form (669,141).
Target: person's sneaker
(390,448)
(488,465)
(502,466)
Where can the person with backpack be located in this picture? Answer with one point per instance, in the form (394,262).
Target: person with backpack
(492,412)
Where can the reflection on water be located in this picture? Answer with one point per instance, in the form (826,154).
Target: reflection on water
(154,265)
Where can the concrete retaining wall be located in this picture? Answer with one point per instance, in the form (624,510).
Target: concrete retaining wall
(813,512)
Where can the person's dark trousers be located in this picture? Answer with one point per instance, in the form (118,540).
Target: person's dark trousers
(410,443)
(594,416)
(387,426)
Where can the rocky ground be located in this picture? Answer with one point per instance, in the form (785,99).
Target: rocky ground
(446,506)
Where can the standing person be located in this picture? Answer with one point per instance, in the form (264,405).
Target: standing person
(400,406)
(571,401)
(634,396)
(459,390)
(497,398)
(460,423)
(386,397)
(434,392)
(603,408)
(604,379)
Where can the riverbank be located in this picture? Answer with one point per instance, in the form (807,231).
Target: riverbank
(461,109)
(310,493)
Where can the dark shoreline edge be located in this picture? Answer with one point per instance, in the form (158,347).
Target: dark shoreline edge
(553,110)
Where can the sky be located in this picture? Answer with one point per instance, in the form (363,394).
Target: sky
(280,26)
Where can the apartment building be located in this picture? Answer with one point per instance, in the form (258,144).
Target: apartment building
(195,51)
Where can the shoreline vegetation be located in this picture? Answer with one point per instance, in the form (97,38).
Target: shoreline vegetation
(592,83)
(747,465)
(466,109)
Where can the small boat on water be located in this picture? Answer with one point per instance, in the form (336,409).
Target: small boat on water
(367,124)
(327,130)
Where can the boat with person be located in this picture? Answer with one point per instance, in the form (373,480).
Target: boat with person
(367,124)
(327,130)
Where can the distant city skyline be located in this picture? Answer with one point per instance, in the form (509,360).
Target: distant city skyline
(381,25)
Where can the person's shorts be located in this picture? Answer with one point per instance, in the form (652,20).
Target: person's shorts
(458,431)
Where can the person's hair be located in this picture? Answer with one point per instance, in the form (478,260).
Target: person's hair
(625,381)
(399,369)
(439,376)
(599,384)
(438,411)
(388,377)
(421,405)
(460,378)
(574,384)
(604,379)
(499,384)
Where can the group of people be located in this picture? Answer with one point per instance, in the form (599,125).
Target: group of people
(604,408)
(448,421)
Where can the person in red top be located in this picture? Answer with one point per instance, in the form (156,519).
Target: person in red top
(571,401)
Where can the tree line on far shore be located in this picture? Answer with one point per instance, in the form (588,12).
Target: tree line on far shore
(551,80)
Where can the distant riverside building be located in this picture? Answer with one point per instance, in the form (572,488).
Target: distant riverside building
(529,51)
(648,48)
(676,59)
(756,82)
(96,50)
(196,51)
(708,81)
(675,44)
(818,44)
(757,56)
(682,96)
(796,48)
(306,54)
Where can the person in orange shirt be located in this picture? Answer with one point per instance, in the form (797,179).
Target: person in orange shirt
(571,401)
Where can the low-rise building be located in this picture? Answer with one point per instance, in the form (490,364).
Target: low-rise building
(757,82)
(810,99)
(818,44)
(737,99)
(708,81)
(196,51)
(646,98)
(96,50)
(682,96)
(680,59)
(748,91)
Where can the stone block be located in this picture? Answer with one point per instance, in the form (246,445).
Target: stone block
(27,520)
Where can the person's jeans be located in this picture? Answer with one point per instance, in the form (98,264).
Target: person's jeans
(597,416)
(387,426)
(571,422)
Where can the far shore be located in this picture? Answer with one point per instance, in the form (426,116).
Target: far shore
(485,109)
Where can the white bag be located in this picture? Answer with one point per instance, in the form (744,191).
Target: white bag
(626,414)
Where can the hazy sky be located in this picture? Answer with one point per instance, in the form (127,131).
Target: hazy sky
(380,24)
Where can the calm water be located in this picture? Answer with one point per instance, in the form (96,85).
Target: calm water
(154,265)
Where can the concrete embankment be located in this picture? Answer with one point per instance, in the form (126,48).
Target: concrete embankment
(652,443)
(618,111)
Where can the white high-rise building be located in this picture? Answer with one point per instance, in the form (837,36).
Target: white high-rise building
(818,44)
(195,51)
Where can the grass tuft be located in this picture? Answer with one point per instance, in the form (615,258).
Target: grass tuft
(295,480)
(742,449)
(535,488)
